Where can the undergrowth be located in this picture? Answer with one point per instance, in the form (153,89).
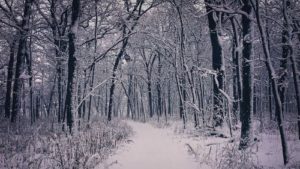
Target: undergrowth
(44,145)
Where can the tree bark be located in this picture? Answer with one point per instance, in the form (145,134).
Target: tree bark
(246,111)
(286,52)
(20,61)
(218,66)
(237,85)
(158,87)
(9,80)
(69,105)
(114,75)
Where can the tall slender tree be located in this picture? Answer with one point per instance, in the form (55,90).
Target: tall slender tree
(9,80)
(217,62)
(272,73)
(70,95)
(23,35)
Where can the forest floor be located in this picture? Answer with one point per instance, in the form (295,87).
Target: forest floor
(169,146)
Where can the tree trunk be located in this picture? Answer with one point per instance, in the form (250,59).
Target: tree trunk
(158,87)
(193,91)
(20,60)
(51,97)
(237,86)
(37,105)
(218,66)
(9,80)
(83,105)
(59,32)
(69,105)
(114,75)
(283,64)
(268,40)
(246,111)
(129,107)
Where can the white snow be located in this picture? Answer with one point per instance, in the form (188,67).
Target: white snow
(151,148)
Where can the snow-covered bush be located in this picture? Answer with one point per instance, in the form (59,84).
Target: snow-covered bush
(231,157)
(37,147)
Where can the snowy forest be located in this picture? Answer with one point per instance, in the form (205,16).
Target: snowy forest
(149,84)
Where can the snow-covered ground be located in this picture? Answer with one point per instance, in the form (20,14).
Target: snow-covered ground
(151,148)
(173,147)
(222,153)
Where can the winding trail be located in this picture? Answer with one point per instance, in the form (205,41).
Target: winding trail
(151,148)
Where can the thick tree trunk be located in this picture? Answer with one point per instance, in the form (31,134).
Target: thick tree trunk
(20,59)
(246,111)
(218,66)
(69,105)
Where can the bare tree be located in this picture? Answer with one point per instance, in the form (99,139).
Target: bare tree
(70,101)
(20,60)
(272,73)
(247,96)
(217,61)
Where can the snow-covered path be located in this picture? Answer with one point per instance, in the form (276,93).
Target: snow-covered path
(151,148)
